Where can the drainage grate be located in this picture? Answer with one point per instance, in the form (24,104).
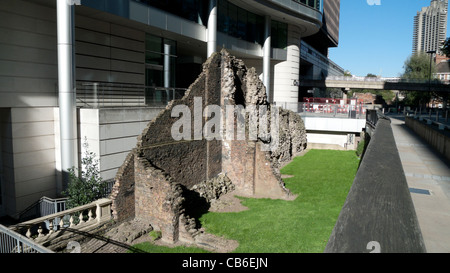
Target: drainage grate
(419,191)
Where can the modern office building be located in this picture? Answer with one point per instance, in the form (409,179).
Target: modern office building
(430,27)
(102,69)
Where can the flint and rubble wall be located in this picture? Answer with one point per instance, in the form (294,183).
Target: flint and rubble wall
(150,183)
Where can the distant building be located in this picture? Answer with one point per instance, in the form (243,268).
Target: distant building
(443,71)
(430,27)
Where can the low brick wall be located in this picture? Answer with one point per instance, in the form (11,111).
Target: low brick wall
(436,138)
(123,206)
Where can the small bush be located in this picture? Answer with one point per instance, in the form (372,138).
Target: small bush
(360,148)
(84,186)
(155,235)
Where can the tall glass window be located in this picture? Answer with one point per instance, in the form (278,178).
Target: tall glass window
(160,67)
(279,34)
(193,10)
(239,23)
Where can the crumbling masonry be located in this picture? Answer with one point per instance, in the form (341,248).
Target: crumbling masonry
(160,174)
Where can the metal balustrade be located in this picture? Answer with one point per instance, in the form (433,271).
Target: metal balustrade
(13,242)
(105,95)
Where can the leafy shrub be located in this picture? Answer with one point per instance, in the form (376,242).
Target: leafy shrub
(360,148)
(85,185)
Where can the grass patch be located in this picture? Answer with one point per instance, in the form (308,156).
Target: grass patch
(321,178)
(152,248)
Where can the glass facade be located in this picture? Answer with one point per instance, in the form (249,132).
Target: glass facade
(160,67)
(239,23)
(248,26)
(193,10)
(160,55)
(232,20)
(279,34)
(315,4)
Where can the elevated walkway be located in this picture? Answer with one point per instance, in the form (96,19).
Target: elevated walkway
(428,176)
(377,84)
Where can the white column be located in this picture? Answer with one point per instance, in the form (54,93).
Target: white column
(266,54)
(287,72)
(66,87)
(167,69)
(212,27)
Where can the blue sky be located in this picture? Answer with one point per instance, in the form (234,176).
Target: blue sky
(376,39)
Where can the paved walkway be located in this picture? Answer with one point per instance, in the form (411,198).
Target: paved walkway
(428,177)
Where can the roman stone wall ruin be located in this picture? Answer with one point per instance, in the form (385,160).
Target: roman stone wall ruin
(160,173)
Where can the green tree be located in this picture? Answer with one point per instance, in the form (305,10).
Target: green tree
(446,47)
(418,67)
(85,185)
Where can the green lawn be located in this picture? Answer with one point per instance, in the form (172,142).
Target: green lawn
(322,179)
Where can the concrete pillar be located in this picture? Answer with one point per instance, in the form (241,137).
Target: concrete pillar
(345,94)
(287,73)
(66,87)
(167,70)
(266,54)
(212,27)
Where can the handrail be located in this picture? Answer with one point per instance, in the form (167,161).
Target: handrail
(378,79)
(13,242)
(38,203)
(104,94)
(48,227)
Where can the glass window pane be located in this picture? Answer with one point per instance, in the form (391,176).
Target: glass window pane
(251,27)
(153,43)
(282,35)
(274,34)
(154,77)
(232,14)
(222,14)
(153,58)
(242,23)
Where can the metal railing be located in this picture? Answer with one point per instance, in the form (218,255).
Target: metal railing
(105,95)
(380,79)
(305,109)
(12,242)
(46,206)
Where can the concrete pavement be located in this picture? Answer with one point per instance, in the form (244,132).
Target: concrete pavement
(428,177)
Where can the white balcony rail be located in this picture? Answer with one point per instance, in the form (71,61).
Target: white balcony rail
(44,206)
(381,79)
(308,109)
(103,95)
(13,242)
(47,228)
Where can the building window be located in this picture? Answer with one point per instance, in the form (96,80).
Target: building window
(316,4)
(279,35)
(160,68)
(193,10)
(239,23)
